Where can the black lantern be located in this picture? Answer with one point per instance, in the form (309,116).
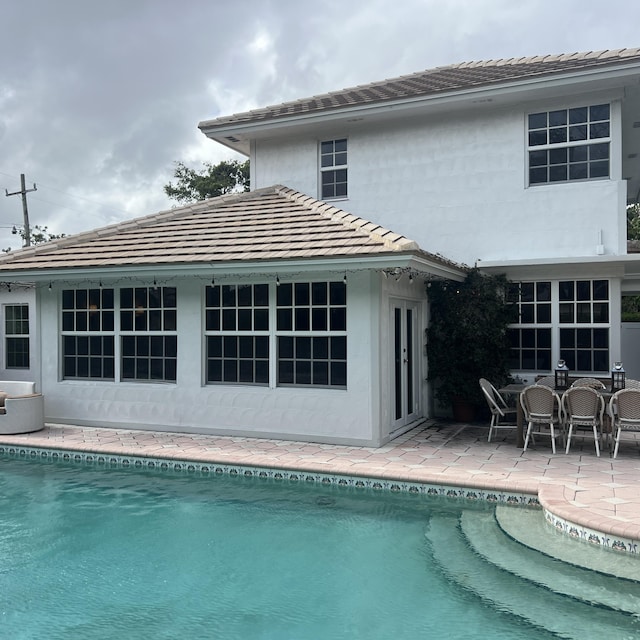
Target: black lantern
(562,375)
(617,377)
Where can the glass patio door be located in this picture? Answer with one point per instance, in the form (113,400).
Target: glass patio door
(405,399)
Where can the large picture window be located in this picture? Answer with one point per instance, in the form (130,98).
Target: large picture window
(569,144)
(149,340)
(530,337)
(569,319)
(237,334)
(16,330)
(311,334)
(584,324)
(88,334)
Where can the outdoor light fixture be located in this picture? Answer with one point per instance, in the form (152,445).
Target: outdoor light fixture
(562,375)
(617,377)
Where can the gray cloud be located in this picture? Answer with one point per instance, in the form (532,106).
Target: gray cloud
(98,99)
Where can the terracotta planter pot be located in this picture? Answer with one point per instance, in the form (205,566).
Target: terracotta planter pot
(463,410)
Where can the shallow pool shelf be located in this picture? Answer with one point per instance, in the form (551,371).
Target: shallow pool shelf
(552,595)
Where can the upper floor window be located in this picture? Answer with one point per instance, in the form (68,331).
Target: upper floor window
(569,144)
(16,325)
(333,169)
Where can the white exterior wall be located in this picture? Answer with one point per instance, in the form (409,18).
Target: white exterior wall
(333,415)
(459,187)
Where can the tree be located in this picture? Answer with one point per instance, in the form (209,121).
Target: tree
(37,235)
(633,222)
(214,180)
(467,335)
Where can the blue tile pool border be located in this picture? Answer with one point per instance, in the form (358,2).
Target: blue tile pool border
(291,475)
(564,527)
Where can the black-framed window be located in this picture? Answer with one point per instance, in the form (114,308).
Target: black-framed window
(148,334)
(584,324)
(88,334)
(311,334)
(237,334)
(569,144)
(333,169)
(530,338)
(16,330)
(567,319)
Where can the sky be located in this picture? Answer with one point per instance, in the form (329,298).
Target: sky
(98,100)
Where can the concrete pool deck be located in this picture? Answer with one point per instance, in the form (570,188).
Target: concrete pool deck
(601,494)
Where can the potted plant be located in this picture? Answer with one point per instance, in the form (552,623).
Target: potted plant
(467,339)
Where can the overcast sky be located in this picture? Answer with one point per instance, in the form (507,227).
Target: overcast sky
(99,98)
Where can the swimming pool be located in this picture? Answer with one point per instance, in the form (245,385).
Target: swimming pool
(113,553)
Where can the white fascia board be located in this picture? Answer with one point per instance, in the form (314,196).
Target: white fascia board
(244,269)
(518,89)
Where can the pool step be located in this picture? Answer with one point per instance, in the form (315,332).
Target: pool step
(529,527)
(489,541)
(511,593)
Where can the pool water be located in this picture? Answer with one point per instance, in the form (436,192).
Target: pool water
(104,553)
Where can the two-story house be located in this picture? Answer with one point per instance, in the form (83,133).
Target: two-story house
(299,311)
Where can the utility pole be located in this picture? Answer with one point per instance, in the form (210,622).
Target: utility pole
(23,192)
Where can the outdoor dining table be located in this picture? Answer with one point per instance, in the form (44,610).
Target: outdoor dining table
(515,389)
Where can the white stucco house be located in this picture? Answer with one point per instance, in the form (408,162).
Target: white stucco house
(298,310)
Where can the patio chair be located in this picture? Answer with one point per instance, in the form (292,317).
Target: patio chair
(541,407)
(594,383)
(631,384)
(547,381)
(502,416)
(624,409)
(583,409)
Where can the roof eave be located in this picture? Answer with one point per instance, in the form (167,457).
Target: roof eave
(418,260)
(611,76)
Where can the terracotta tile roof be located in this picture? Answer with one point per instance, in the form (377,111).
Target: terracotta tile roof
(451,78)
(275,223)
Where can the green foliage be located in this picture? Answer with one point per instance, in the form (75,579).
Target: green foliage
(467,335)
(633,222)
(630,308)
(214,180)
(37,235)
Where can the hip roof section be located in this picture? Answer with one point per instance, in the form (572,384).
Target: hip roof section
(274,223)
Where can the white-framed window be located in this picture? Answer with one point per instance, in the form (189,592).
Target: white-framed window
(569,144)
(584,324)
(237,334)
(16,331)
(312,334)
(333,169)
(148,334)
(567,319)
(530,337)
(88,334)
(297,330)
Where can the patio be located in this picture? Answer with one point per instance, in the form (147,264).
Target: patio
(598,493)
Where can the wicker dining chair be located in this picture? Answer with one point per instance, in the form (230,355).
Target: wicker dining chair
(541,407)
(594,383)
(547,381)
(583,409)
(624,409)
(502,415)
(631,384)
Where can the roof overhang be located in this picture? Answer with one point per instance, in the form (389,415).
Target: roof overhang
(238,135)
(416,262)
